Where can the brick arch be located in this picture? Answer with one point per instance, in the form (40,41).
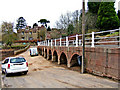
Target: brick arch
(80,54)
(54,58)
(74,61)
(65,61)
(64,53)
(54,51)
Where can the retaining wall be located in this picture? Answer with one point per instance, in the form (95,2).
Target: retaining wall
(10,52)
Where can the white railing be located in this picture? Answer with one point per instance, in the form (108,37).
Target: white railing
(91,39)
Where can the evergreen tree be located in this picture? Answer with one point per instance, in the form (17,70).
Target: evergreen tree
(21,23)
(118,14)
(93,6)
(35,25)
(44,22)
(107,17)
(48,29)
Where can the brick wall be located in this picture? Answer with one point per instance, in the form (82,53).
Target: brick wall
(103,61)
(98,61)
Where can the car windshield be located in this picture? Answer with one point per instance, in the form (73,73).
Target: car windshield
(17,60)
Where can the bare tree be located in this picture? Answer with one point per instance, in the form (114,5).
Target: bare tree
(8,36)
(75,16)
(64,21)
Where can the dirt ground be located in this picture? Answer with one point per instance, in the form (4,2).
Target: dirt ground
(45,74)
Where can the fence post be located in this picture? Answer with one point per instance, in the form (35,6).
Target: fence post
(48,42)
(51,42)
(119,37)
(80,43)
(60,42)
(44,43)
(38,43)
(93,45)
(55,42)
(67,42)
(76,40)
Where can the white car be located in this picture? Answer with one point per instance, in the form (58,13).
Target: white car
(14,65)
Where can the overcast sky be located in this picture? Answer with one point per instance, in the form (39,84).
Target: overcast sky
(34,10)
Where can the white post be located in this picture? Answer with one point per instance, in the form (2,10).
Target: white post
(51,42)
(80,43)
(55,42)
(93,40)
(44,43)
(73,42)
(67,42)
(48,42)
(119,37)
(76,40)
(60,42)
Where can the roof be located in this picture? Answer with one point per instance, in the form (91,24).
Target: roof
(13,57)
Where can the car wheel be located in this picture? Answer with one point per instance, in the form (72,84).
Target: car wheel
(25,73)
(6,73)
(3,72)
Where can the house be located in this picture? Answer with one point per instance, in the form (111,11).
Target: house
(28,33)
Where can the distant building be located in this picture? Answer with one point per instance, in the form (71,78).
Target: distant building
(37,32)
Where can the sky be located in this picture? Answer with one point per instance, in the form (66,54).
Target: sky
(34,10)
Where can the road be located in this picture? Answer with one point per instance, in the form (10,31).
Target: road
(44,74)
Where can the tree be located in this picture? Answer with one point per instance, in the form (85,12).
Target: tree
(44,22)
(21,23)
(8,36)
(90,21)
(75,20)
(48,29)
(118,14)
(64,21)
(70,29)
(35,24)
(93,7)
(107,17)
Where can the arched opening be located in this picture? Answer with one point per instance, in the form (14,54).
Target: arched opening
(55,56)
(63,59)
(45,53)
(76,62)
(40,51)
(50,55)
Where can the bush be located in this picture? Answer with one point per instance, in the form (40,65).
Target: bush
(93,30)
(14,47)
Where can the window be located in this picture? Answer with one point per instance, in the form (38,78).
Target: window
(30,33)
(17,60)
(23,38)
(22,33)
(6,61)
(30,38)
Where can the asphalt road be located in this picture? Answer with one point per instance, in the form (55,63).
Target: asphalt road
(44,74)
